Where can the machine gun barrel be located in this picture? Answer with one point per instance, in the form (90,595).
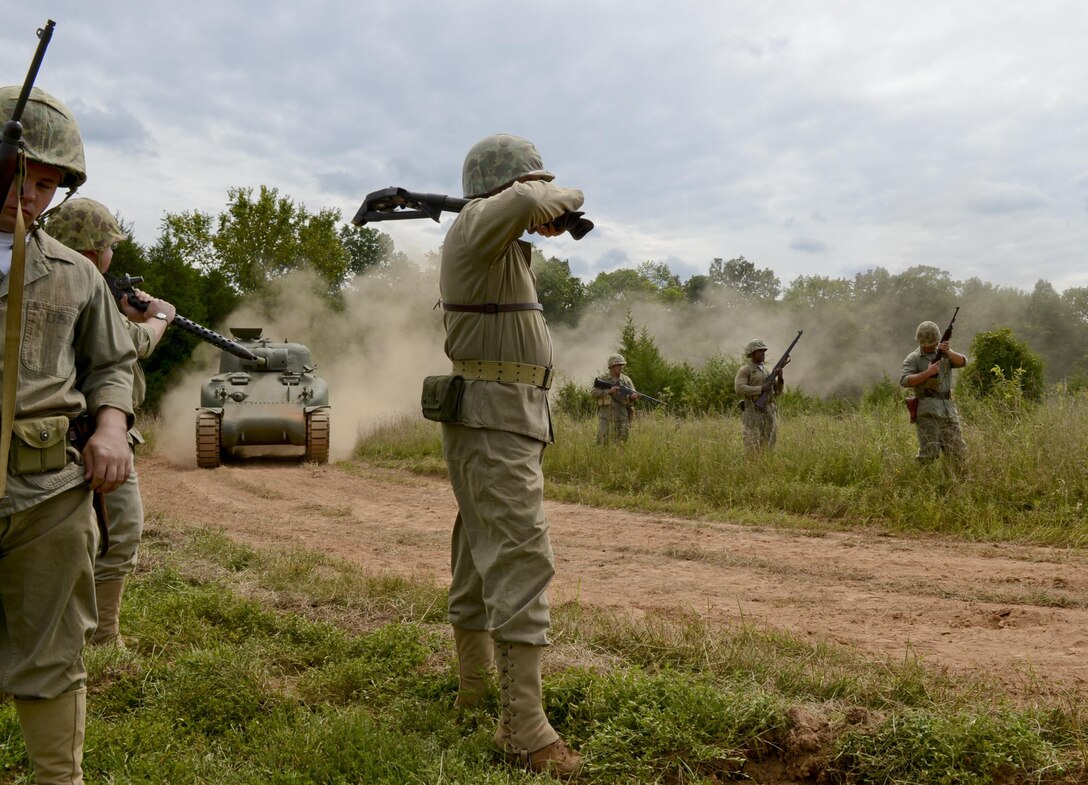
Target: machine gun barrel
(625,391)
(399,204)
(120,287)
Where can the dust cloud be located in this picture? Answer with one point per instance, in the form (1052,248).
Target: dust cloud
(373,354)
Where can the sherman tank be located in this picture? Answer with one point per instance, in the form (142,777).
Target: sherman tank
(265,394)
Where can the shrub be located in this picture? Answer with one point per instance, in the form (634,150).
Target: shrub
(998,359)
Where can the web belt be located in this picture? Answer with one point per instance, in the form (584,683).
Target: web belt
(500,371)
(492,307)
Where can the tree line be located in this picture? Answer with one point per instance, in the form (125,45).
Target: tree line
(206,264)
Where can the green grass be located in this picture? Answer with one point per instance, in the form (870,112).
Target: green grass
(289,667)
(1023,482)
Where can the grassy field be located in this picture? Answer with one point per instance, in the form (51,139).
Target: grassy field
(286,668)
(1024,480)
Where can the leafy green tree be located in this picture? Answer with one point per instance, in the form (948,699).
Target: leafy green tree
(562,294)
(366,247)
(742,275)
(695,287)
(815,291)
(647,366)
(622,285)
(257,239)
(665,281)
(996,358)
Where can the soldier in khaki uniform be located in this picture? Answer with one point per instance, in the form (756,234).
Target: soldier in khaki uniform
(615,409)
(937,418)
(498,341)
(88,227)
(75,359)
(751,381)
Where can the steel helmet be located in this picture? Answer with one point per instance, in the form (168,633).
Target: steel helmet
(496,161)
(753,346)
(84,225)
(50,133)
(927,334)
(616,359)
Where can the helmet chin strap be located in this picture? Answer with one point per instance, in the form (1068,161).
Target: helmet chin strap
(40,221)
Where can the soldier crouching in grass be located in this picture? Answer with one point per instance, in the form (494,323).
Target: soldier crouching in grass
(928,371)
(751,381)
(76,360)
(615,408)
(88,227)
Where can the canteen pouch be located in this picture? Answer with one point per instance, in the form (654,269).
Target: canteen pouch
(441,399)
(38,445)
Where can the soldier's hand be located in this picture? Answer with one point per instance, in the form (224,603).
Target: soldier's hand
(944,346)
(634,396)
(767,386)
(107,458)
(547,230)
(614,390)
(934,368)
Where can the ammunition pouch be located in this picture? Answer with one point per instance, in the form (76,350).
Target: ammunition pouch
(38,445)
(441,399)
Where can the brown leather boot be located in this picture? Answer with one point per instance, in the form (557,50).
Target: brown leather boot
(475,665)
(53,733)
(107,596)
(524,735)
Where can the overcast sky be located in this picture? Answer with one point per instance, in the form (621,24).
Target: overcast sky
(813,138)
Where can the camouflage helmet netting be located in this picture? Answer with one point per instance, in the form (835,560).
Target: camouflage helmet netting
(497,161)
(50,133)
(616,359)
(753,346)
(927,334)
(84,225)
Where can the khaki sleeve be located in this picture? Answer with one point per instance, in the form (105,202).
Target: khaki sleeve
(909,368)
(742,383)
(105,355)
(501,219)
(143,338)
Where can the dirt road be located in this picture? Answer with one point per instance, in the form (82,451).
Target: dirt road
(1010,610)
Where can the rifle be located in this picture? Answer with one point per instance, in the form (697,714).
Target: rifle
(399,204)
(122,287)
(625,391)
(947,335)
(13,128)
(761,401)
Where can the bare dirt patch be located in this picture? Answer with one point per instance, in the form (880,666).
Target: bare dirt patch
(1018,612)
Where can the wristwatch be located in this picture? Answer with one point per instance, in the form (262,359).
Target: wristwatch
(161,316)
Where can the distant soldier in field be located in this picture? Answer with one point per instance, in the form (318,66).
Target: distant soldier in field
(615,408)
(88,227)
(930,377)
(498,341)
(752,380)
(74,368)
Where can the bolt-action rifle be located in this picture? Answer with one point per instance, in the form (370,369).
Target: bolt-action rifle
(399,204)
(13,128)
(121,287)
(947,334)
(625,392)
(761,401)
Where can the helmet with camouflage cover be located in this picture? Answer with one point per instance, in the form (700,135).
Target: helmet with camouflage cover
(616,359)
(753,346)
(496,161)
(50,133)
(84,225)
(927,334)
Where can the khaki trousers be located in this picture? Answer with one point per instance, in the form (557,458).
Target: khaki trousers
(47,607)
(760,426)
(500,556)
(125,516)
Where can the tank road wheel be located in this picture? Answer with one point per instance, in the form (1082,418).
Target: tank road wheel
(317,436)
(207,440)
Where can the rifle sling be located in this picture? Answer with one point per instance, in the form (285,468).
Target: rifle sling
(13,328)
(492,307)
